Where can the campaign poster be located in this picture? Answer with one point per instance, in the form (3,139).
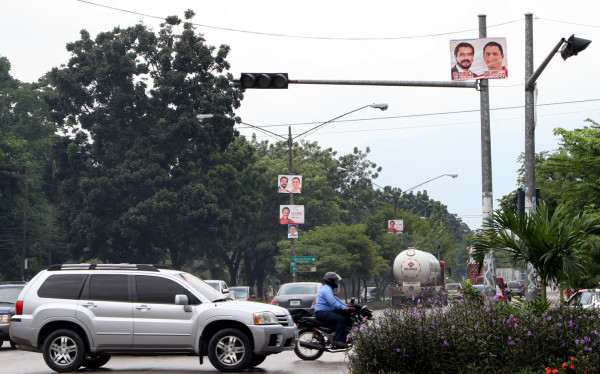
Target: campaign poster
(483,58)
(289,214)
(293,231)
(395,226)
(289,183)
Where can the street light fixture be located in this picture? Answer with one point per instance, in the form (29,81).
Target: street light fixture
(571,47)
(290,141)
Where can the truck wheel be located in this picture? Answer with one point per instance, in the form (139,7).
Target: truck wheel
(95,362)
(64,351)
(230,350)
(305,353)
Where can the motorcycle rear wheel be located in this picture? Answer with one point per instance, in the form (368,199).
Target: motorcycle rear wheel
(307,354)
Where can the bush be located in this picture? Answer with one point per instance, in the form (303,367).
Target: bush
(473,336)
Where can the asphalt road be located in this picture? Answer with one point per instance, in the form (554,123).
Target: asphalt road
(21,362)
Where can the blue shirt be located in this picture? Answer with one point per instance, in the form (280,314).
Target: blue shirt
(327,301)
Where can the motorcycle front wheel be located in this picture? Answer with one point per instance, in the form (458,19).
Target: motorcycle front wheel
(306,336)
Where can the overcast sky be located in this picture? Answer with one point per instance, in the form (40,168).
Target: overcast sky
(420,136)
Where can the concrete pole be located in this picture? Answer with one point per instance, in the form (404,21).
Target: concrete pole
(291,171)
(489,262)
(531,290)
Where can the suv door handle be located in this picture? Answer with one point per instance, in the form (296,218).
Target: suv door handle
(90,305)
(142,307)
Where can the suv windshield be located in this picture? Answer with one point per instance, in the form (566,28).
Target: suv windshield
(514,285)
(453,287)
(204,288)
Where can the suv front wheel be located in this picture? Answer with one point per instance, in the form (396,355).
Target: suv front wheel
(64,351)
(230,350)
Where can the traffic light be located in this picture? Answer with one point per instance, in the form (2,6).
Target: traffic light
(264,80)
(574,46)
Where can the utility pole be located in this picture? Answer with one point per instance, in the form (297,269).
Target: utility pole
(25,208)
(290,141)
(530,284)
(489,262)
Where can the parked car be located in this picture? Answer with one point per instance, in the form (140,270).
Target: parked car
(81,314)
(454,291)
(298,295)
(219,285)
(516,288)
(586,299)
(243,293)
(8,298)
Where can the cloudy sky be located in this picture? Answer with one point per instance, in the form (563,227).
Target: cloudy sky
(425,133)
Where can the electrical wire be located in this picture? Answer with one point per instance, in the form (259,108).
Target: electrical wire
(302,36)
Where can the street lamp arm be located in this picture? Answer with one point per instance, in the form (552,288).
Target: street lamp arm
(378,106)
(530,85)
(432,179)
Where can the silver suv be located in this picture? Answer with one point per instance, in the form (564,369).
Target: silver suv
(79,314)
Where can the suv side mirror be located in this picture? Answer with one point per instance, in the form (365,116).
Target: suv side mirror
(181,300)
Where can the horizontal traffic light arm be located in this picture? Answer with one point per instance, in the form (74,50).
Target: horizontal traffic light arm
(276,80)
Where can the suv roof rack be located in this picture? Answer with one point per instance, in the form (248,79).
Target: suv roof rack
(141,267)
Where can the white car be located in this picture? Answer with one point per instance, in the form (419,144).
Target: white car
(586,299)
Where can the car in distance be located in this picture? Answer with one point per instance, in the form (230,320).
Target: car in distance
(516,288)
(298,295)
(8,298)
(218,285)
(586,299)
(243,293)
(371,294)
(454,291)
(81,314)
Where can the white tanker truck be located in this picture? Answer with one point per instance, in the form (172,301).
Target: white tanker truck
(419,276)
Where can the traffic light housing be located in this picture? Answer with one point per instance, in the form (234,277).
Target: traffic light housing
(574,46)
(264,80)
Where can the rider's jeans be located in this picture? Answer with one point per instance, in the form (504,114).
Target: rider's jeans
(334,319)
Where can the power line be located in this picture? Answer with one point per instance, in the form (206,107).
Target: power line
(430,114)
(301,36)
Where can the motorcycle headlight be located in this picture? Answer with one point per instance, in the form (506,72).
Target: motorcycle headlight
(265,318)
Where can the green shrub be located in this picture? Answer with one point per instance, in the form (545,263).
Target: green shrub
(473,336)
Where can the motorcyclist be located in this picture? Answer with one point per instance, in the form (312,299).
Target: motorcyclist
(327,304)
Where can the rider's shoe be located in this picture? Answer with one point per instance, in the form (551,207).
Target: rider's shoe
(340,344)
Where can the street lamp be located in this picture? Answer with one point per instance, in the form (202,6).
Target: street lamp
(571,47)
(290,141)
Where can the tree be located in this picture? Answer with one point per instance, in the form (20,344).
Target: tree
(27,188)
(556,245)
(139,190)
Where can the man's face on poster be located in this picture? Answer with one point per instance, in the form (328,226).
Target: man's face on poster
(283,182)
(464,57)
(493,57)
(285,212)
(293,229)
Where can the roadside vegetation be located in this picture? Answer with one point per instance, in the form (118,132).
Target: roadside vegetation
(475,336)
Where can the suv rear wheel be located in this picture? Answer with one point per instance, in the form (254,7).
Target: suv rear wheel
(229,350)
(64,351)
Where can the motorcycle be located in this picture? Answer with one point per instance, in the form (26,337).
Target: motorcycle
(316,337)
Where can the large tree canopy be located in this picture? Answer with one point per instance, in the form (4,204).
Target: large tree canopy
(138,187)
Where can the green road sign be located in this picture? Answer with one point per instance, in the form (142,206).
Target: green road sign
(293,268)
(303,259)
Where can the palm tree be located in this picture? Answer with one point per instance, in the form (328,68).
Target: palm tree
(556,246)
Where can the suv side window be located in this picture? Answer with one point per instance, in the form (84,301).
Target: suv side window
(108,287)
(62,286)
(158,290)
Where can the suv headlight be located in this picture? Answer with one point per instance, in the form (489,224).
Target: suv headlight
(5,318)
(265,318)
